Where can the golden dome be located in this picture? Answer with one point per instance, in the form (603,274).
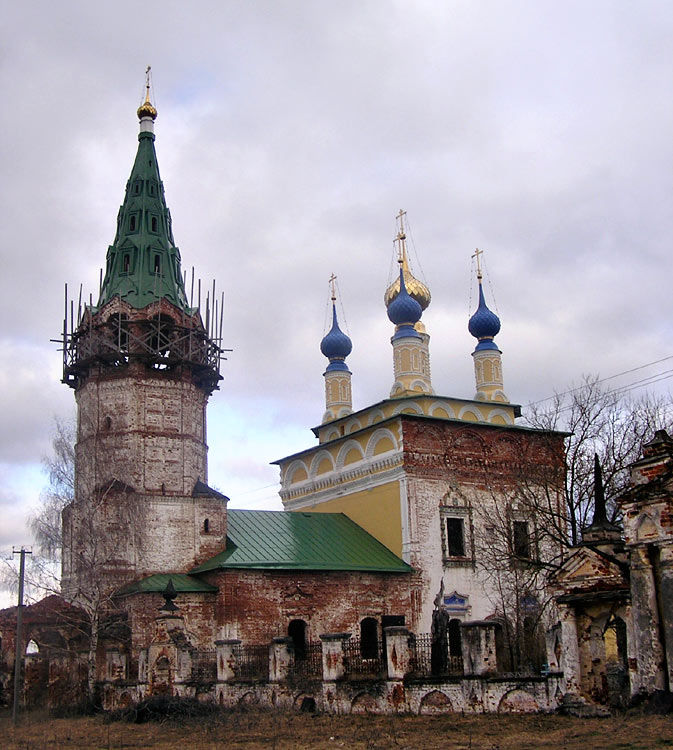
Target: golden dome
(416,289)
(146,109)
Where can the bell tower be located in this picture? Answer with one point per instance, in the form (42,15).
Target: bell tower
(142,363)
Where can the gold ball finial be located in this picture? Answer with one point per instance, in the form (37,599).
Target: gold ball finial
(147,109)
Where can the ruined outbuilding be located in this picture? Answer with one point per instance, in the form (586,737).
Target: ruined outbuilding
(614,594)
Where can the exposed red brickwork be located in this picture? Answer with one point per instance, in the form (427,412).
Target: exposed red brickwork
(258,605)
(198,611)
(478,454)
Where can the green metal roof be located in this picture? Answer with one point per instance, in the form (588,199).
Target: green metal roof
(184,584)
(280,540)
(143,264)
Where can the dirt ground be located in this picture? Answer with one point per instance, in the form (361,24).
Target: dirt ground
(282,731)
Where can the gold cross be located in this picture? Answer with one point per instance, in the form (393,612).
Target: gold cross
(400,236)
(147,78)
(476,255)
(332,279)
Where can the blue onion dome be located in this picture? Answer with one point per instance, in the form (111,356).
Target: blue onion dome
(336,345)
(484,324)
(404,310)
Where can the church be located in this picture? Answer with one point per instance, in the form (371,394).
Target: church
(381,565)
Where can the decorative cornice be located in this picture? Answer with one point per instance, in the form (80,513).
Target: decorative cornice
(368,474)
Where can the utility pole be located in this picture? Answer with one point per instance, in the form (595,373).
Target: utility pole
(19,618)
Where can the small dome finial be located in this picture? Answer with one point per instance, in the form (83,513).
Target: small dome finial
(146,109)
(336,345)
(484,325)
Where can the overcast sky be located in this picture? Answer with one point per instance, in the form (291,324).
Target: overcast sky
(289,135)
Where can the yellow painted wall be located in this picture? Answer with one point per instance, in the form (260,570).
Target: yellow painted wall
(377,510)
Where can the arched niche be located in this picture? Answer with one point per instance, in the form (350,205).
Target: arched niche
(381,441)
(322,463)
(349,453)
(297,472)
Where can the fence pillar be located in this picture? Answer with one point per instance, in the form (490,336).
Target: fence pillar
(280,657)
(142,666)
(397,651)
(333,656)
(570,648)
(478,645)
(226,659)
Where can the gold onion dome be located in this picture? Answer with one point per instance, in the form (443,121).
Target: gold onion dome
(146,109)
(416,289)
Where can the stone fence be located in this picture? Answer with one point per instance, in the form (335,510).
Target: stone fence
(404,673)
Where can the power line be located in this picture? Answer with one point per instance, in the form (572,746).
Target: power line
(603,380)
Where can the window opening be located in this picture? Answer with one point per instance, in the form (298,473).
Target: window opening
(159,340)
(157,263)
(107,424)
(120,331)
(126,263)
(521,539)
(369,638)
(455,537)
(155,224)
(206,526)
(132,224)
(296,630)
(32,647)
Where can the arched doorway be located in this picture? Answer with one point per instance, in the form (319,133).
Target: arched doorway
(616,664)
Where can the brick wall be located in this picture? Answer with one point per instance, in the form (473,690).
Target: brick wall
(258,605)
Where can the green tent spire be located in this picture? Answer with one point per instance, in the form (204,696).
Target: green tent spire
(143,264)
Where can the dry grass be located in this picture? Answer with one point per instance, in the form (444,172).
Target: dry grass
(282,731)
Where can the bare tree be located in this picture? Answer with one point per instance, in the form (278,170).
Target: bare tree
(82,531)
(98,526)
(598,421)
(528,527)
(43,571)
(59,465)
(515,555)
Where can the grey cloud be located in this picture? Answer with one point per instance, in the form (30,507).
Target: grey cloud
(288,137)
